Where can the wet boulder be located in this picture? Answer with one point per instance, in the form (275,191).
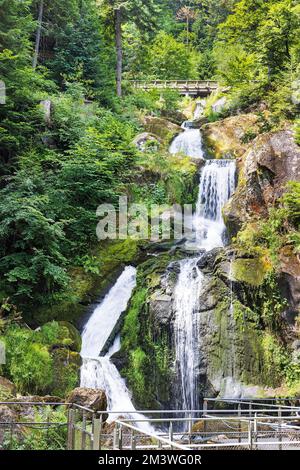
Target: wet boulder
(90,398)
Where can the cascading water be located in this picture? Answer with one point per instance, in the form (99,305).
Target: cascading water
(104,318)
(217,184)
(189,142)
(99,372)
(186,302)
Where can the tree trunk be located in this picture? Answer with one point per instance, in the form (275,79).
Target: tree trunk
(187,31)
(38,35)
(119,50)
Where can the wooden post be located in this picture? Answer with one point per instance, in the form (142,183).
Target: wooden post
(70,443)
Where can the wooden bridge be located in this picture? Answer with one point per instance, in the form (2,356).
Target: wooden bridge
(184,87)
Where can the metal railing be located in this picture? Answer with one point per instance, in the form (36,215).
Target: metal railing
(221,424)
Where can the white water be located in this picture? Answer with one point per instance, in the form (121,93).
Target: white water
(200,105)
(217,184)
(188,143)
(186,302)
(99,372)
(102,322)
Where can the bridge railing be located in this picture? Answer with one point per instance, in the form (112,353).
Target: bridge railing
(209,85)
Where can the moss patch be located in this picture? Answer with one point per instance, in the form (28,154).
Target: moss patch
(250,271)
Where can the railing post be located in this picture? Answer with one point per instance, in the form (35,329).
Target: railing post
(70,443)
(205,406)
(133,440)
(171,432)
(83,431)
(97,430)
(255,435)
(239,425)
(190,427)
(120,438)
(250,435)
(116,435)
(279,428)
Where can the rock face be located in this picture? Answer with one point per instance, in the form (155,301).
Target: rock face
(229,138)
(272,160)
(162,128)
(89,398)
(232,357)
(7,389)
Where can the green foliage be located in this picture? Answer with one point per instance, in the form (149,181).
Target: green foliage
(41,437)
(29,364)
(297,131)
(41,362)
(168,59)
(291,201)
(131,327)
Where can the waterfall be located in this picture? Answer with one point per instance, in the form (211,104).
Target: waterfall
(217,184)
(199,110)
(99,372)
(101,324)
(189,142)
(186,302)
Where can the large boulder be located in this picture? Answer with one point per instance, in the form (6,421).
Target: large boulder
(90,398)
(162,128)
(7,389)
(67,336)
(230,137)
(272,160)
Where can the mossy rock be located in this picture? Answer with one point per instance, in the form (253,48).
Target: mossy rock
(162,128)
(74,335)
(66,370)
(62,335)
(250,271)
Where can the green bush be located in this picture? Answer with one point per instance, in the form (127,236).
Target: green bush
(52,437)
